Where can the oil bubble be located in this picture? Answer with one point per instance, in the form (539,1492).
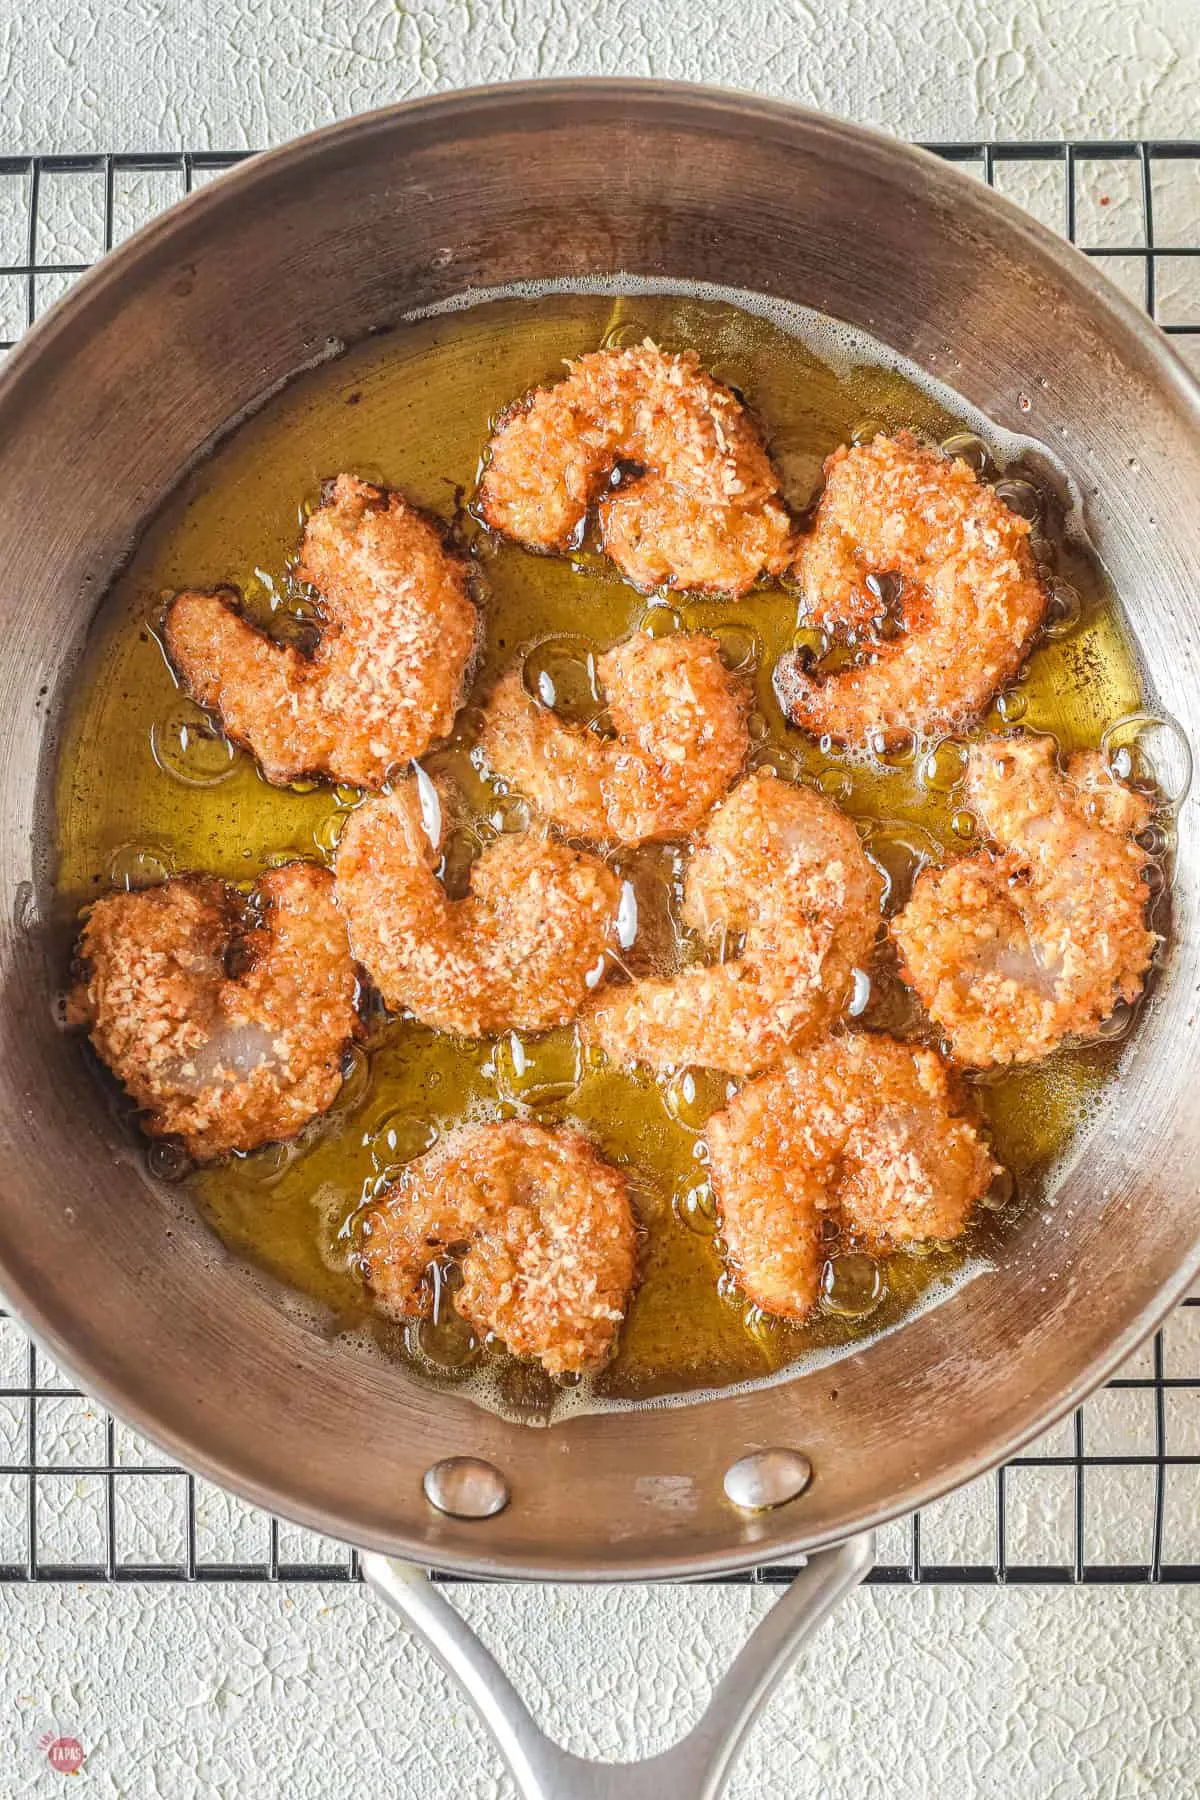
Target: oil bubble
(966,447)
(447,1341)
(837,785)
(740,646)
(189,747)
(133,866)
(964,824)
(660,621)
(860,995)
(899,850)
(691,1096)
(1118,1022)
(758,726)
(943,767)
(892,750)
(1011,706)
(327,831)
(694,1205)
(810,644)
(400,1138)
(560,673)
(779,760)
(852,1285)
(1063,607)
(511,814)
(1152,750)
(1001,1192)
(866,431)
(1021,497)
(167,1160)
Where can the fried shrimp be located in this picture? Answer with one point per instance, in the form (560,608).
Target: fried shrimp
(681,740)
(224,1061)
(1016,949)
(687,495)
(781,866)
(520,952)
(397,631)
(547,1230)
(864,1131)
(894,513)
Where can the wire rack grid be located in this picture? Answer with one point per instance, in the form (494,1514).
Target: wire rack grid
(1111,1495)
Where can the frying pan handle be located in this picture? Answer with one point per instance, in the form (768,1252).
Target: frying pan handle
(697,1767)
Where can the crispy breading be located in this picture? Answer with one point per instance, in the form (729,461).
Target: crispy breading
(681,739)
(520,952)
(1015,949)
(698,506)
(544,1229)
(969,597)
(780,865)
(862,1130)
(398,629)
(223,1062)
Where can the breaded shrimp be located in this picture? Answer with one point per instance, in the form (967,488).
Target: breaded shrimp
(520,952)
(226,1062)
(783,866)
(968,592)
(398,629)
(863,1130)
(548,1234)
(700,508)
(1014,950)
(681,740)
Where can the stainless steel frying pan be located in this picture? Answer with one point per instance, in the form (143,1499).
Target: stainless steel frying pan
(147,362)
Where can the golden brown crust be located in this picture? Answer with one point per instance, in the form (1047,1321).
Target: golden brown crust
(782,866)
(681,740)
(520,952)
(386,678)
(705,513)
(861,1130)
(225,1064)
(970,595)
(1012,951)
(551,1246)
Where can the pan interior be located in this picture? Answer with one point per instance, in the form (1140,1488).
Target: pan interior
(146,787)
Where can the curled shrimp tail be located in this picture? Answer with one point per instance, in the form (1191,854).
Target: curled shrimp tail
(700,512)
(398,629)
(521,951)
(223,1062)
(901,521)
(680,740)
(544,1230)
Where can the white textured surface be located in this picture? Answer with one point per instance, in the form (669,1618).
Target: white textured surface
(145,73)
(248,1694)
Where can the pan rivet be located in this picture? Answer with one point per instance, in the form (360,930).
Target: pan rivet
(466,1487)
(767,1478)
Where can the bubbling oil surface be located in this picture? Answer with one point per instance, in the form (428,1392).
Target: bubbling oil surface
(147,787)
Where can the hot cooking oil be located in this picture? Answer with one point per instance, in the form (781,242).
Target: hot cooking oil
(147,787)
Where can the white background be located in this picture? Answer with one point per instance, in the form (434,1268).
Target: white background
(252,1694)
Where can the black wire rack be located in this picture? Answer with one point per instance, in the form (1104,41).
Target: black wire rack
(1112,1495)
